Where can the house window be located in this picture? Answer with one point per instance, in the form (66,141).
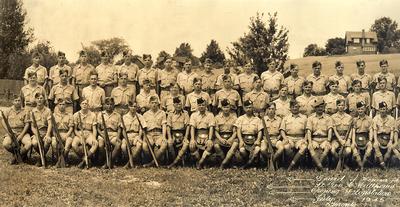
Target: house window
(367,40)
(356,40)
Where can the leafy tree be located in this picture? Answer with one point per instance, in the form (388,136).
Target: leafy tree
(185,51)
(162,56)
(48,55)
(264,41)
(93,55)
(314,50)
(113,46)
(14,37)
(214,53)
(388,34)
(336,46)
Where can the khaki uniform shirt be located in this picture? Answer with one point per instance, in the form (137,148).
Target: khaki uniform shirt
(107,73)
(319,83)
(232,95)
(220,81)
(282,107)
(383,125)
(132,71)
(272,81)
(341,121)
(387,96)
(167,78)
(151,74)
(353,98)
(273,125)
(63,120)
(209,81)
(67,93)
(294,85)
(319,126)
(363,124)
(246,81)
(306,104)
(94,96)
(225,123)
(88,120)
(41,73)
(365,79)
(191,100)
(178,120)
(259,99)
(330,100)
(248,125)
(167,102)
(202,121)
(143,98)
(185,81)
(155,120)
(344,83)
(81,74)
(29,92)
(113,120)
(294,124)
(132,122)
(54,73)
(16,119)
(42,117)
(390,77)
(122,95)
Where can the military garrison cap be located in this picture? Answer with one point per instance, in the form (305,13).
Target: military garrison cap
(200,101)
(176,100)
(382,105)
(247,103)
(225,102)
(360,104)
(318,101)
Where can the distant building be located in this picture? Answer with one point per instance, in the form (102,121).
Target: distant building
(361,42)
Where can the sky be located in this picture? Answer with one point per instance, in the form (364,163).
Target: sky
(150,26)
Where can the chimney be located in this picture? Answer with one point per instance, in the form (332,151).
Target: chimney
(362,38)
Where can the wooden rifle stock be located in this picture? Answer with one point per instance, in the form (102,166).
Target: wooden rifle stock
(60,145)
(128,145)
(16,147)
(107,143)
(40,141)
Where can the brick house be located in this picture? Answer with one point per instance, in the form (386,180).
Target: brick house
(361,42)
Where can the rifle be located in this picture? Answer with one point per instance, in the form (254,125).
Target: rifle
(147,142)
(128,145)
(40,141)
(60,145)
(83,141)
(107,143)
(16,147)
(271,166)
(339,165)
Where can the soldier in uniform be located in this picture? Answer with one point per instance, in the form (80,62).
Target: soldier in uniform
(135,126)
(81,73)
(156,120)
(54,73)
(356,96)
(363,77)
(202,125)
(246,79)
(186,77)
(383,94)
(167,77)
(85,130)
(283,102)
(65,91)
(292,131)
(65,125)
(383,126)
(123,94)
(131,69)
(178,131)
(113,124)
(191,98)
(227,72)
(341,125)
(94,94)
(319,80)
(307,99)
(272,123)
(390,77)
(167,102)
(294,82)
(319,133)
(143,98)
(344,81)
(17,117)
(29,91)
(362,136)
(41,72)
(209,78)
(107,74)
(249,132)
(43,119)
(272,80)
(148,73)
(331,98)
(226,143)
(258,97)
(227,92)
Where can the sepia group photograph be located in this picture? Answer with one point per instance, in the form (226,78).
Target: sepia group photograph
(199,103)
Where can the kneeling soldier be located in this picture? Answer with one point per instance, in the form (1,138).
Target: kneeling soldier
(43,119)
(113,124)
(177,131)
(292,129)
(226,143)
(383,126)
(135,125)
(156,121)
(362,135)
(202,124)
(65,126)
(85,133)
(17,117)
(272,122)
(319,133)
(249,132)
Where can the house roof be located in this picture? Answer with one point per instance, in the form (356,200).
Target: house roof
(371,35)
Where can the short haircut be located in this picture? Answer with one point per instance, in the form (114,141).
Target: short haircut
(338,63)
(381,78)
(383,62)
(145,56)
(340,101)
(359,62)
(316,64)
(355,82)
